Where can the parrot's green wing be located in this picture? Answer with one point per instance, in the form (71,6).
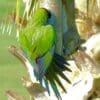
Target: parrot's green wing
(37,41)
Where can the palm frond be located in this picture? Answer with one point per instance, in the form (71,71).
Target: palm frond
(30,7)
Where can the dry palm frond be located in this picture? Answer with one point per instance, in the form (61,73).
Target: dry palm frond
(84,62)
(88,17)
(30,7)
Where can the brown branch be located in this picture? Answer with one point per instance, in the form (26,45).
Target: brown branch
(12,95)
(19,54)
(35,89)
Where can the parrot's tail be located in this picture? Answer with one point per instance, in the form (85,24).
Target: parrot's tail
(51,75)
(56,68)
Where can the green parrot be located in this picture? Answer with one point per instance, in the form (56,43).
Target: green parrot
(38,40)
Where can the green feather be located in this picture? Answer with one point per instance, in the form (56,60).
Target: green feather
(37,38)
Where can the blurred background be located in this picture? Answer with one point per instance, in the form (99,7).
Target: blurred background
(11,69)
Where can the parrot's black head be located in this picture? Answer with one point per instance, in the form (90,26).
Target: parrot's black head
(41,16)
(49,14)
